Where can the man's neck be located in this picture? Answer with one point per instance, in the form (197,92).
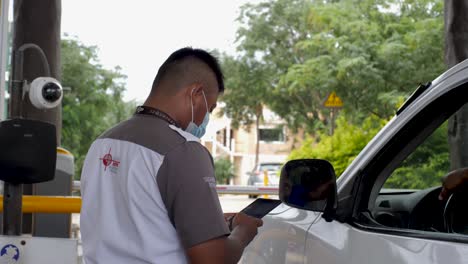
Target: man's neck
(167,107)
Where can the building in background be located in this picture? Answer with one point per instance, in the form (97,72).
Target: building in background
(239,145)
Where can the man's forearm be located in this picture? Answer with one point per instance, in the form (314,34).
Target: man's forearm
(221,250)
(236,242)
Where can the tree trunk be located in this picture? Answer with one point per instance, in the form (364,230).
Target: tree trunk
(257,143)
(456,50)
(258,116)
(36,22)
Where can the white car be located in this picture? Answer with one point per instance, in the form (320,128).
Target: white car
(356,219)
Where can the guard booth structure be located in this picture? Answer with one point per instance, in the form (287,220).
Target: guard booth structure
(55,225)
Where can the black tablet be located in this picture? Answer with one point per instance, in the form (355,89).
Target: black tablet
(260,207)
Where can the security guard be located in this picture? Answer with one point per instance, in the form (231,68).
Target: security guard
(148,185)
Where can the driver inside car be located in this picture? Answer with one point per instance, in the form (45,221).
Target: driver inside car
(452,181)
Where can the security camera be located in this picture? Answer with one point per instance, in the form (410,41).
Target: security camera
(45,92)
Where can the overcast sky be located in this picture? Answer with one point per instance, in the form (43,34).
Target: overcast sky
(139,35)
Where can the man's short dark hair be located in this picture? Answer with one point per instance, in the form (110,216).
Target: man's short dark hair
(185,53)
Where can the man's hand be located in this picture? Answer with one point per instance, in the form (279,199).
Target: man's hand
(229,217)
(247,227)
(451,181)
(227,249)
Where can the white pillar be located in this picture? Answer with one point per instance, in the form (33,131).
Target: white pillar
(4,6)
(213,148)
(232,150)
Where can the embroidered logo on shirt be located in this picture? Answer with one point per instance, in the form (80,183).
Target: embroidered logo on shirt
(211,181)
(108,161)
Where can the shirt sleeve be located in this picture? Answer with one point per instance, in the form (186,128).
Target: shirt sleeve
(187,184)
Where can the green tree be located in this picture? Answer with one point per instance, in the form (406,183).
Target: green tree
(371,52)
(343,146)
(425,166)
(94,102)
(224,170)
(246,94)
(269,32)
(421,169)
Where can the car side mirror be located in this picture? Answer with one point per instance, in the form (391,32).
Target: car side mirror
(309,184)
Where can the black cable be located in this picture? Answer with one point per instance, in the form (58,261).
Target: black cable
(45,62)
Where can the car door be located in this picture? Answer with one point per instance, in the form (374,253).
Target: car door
(281,239)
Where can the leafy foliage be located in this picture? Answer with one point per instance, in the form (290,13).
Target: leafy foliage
(372,53)
(425,167)
(247,93)
(364,50)
(94,102)
(343,146)
(224,170)
(247,89)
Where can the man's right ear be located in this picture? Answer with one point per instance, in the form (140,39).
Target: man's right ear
(197,87)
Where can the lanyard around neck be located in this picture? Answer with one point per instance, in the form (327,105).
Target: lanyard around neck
(147,110)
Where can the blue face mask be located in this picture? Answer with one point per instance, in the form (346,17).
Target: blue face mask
(192,128)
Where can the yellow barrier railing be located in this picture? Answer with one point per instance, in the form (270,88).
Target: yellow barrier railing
(49,204)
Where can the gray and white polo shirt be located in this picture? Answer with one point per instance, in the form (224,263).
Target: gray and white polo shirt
(148,191)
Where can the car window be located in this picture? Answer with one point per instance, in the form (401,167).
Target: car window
(409,198)
(425,166)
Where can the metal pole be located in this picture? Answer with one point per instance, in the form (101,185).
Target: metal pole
(13,193)
(36,22)
(332,121)
(50,204)
(16,86)
(12,213)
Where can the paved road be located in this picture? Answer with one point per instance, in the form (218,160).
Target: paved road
(234,203)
